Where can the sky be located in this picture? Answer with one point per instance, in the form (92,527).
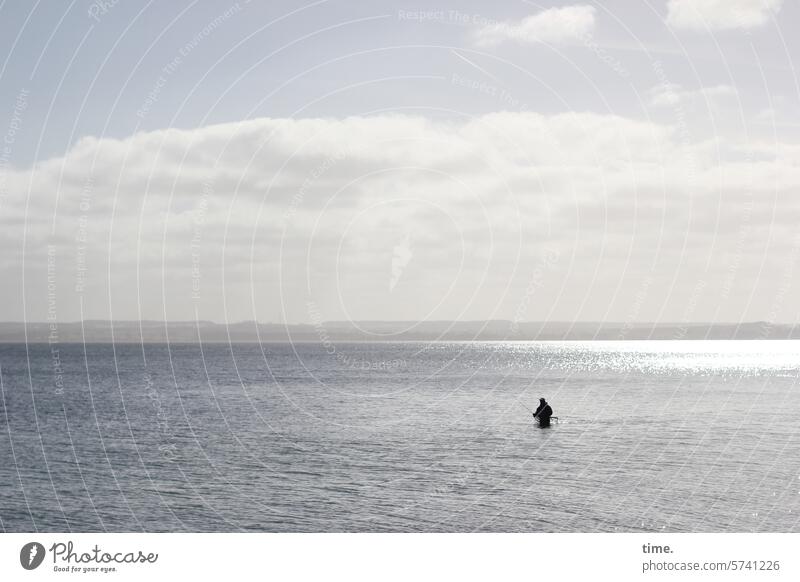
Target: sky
(294,163)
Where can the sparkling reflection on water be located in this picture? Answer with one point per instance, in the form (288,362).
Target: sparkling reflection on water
(653,436)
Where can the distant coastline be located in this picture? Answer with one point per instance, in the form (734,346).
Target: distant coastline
(98,331)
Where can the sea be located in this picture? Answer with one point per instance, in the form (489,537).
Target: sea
(651,436)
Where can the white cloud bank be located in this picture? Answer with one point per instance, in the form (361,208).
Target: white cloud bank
(702,15)
(551,26)
(260,219)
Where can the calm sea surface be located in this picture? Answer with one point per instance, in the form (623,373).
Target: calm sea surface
(653,436)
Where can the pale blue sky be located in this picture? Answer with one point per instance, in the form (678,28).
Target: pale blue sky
(93,76)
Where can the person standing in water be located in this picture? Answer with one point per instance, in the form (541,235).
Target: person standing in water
(543,413)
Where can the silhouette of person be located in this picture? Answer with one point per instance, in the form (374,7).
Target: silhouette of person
(543,413)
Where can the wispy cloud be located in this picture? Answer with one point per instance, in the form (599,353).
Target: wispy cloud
(402,255)
(551,26)
(672,95)
(720,14)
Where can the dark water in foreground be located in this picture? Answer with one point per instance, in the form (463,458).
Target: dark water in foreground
(654,436)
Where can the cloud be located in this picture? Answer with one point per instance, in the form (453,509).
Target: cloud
(670,95)
(551,26)
(766,116)
(253,220)
(702,15)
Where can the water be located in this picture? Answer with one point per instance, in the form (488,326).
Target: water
(653,436)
